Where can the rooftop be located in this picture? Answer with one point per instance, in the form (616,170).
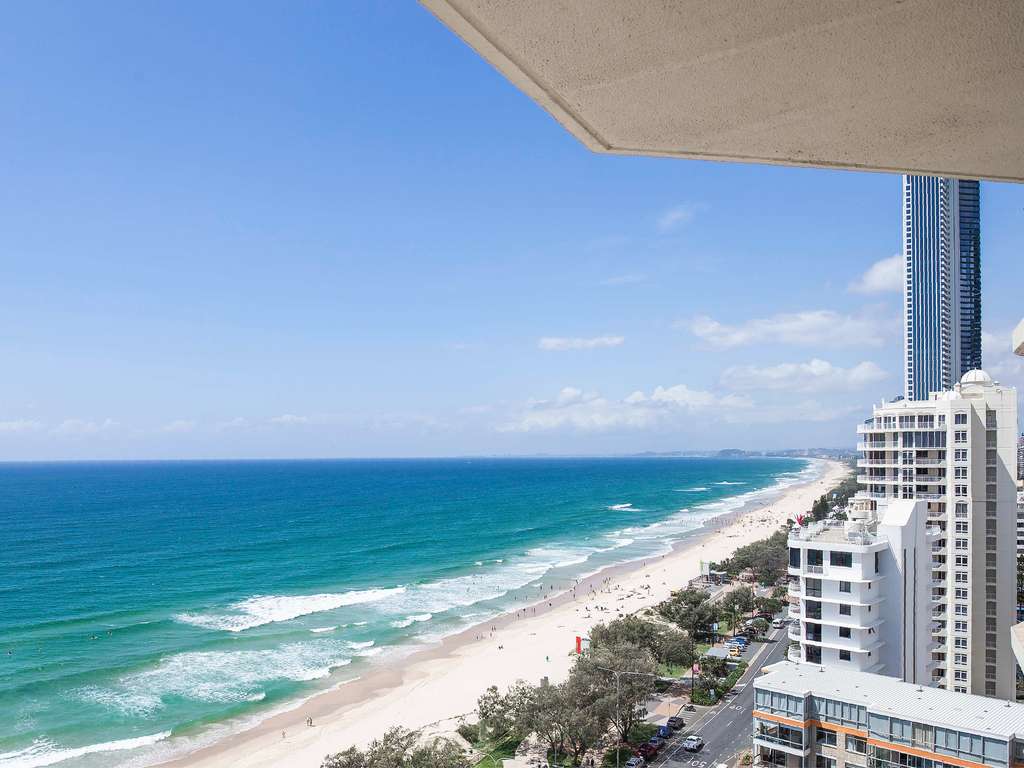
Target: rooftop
(890,696)
(832,532)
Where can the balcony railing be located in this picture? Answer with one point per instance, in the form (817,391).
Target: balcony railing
(767,737)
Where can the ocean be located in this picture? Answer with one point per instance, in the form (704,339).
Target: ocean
(148,609)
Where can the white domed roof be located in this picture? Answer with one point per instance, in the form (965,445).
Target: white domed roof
(977,376)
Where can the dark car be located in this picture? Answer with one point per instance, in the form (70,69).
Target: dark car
(656,741)
(646,751)
(665,732)
(675,723)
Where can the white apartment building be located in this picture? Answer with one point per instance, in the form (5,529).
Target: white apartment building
(860,590)
(956,452)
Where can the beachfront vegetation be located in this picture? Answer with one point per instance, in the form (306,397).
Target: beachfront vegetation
(667,645)
(692,610)
(400,748)
(838,496)
(606,691)
(768,559)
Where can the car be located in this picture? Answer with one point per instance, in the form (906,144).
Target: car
(656,741)
(635,762)
(675,723)
(646,751)
(693,743)
(779,623)
(664,732)
(735,652)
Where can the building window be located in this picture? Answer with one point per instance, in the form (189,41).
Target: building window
(825,737)
(960,418)
(960,473)
(960,593)
(959,454)
(961,509)
(841,559)
(960,642)
(960,578)
(844,610)
(961,527)
(960,658)
(961,544)
(961,609)
(960,490)
(857,745)
(824,762)
(844,655)
(960,436)
(959,626)
(844,586)
(877,561)
(961,561)
(960,675)
(844,632)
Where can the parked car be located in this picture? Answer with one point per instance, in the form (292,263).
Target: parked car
(656,741)
(693,743)
(665,732)
(675,723)
(779,623)
(646,751)
(635,762)
(735,652)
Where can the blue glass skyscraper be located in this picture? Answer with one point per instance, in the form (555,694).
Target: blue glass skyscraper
(942,282)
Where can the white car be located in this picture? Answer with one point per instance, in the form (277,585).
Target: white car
(635,762)
(693,743)
(778,623)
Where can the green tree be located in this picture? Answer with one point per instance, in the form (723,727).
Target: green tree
(624,678)
(400,748)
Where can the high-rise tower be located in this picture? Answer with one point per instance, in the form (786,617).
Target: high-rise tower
(942,283)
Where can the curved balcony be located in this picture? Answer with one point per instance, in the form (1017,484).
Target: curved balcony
(794,654)
(793,632)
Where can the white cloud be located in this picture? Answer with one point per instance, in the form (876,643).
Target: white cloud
(563,344)
(239,422)
(674,217)
(17,426)
(581,411)
(820,326)
(290,419)
(813,376)
(882,277)
(804,410)
(629,279)
(83,427)
(179,426)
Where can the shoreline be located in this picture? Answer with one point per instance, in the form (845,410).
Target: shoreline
(430,688)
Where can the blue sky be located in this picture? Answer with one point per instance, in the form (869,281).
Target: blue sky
(316,229)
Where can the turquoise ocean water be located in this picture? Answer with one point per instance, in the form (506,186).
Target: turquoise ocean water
(148,609)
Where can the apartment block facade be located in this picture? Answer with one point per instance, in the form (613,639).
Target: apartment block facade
(956,452)
(859,590)
(806,716)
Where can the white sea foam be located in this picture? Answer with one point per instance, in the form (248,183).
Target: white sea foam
(44,752)
(269,609)
(628,507)
(698,489)
(358,646)
(410,620)
(360,623)
(218,676)
(730,482)
(321,630)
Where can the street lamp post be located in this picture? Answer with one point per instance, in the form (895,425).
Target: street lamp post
(618,673)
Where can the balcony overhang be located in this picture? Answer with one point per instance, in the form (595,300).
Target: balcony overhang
(923,86)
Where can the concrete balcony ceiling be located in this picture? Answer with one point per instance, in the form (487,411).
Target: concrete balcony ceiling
(925,86)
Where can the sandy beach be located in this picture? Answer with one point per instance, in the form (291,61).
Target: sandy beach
(436,685)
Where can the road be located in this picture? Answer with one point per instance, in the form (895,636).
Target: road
(726,729)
